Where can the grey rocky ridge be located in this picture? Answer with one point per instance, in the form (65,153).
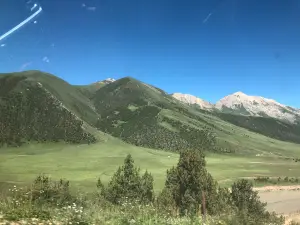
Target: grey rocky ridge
(243,104)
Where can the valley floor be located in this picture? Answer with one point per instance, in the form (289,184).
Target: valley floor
(82,165)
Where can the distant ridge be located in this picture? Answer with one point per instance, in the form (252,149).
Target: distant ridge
(242,104)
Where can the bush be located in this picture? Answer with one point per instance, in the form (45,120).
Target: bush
(44,190)
(249,208)
(126,183)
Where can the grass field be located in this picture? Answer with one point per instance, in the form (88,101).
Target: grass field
(83,164)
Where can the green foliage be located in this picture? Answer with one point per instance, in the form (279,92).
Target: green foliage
(269,127)
(19,204)
(47,108)
(51,201)
(250,209)
(189,181)
(241,217)
(147,195)
(35,204)
(126,183)
(46,191)
(276,180)
(142,126)
(29,112)
(244,198)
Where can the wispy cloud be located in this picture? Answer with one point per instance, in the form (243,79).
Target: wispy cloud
(207,18)
(91,8)
(46,59)
(24,65)
(2,45)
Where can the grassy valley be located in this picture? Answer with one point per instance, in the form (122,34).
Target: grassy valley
(82,133)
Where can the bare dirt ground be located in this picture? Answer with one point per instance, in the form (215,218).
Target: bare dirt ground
(284,200)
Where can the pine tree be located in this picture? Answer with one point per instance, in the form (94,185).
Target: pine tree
(246,199)
(127,183)
(188,180)
(147,194)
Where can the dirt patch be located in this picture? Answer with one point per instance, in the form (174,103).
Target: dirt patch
(277,188)
(267,163)
(283,200)
(292,217)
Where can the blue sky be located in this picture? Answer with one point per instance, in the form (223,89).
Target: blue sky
(208,48)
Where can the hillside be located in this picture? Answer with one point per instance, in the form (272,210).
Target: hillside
(35,106)
(146,116)
(90,89)
(269,127)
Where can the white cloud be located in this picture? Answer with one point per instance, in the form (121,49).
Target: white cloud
(91,8)
(46,59)
(2,45)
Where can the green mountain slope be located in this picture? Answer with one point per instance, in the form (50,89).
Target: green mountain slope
(267,126)
(146,116)
(41,107)
(89,90)
(36,106)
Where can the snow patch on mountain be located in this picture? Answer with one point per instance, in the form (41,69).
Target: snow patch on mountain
(109,80)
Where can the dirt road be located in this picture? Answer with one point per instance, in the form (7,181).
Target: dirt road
(283,200)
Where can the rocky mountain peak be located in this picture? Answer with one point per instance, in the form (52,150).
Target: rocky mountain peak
(243,104)
(191,100)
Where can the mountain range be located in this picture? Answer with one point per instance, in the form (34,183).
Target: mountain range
(241,104)
(40,107)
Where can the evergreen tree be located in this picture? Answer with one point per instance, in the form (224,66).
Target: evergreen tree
(147,194)
(247,200)
(127,183)
(188,181)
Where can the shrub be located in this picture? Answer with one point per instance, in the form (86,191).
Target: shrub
(249,208)
(127,183)
(44,190)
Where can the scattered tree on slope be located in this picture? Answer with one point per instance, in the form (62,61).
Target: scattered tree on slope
(33,114)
